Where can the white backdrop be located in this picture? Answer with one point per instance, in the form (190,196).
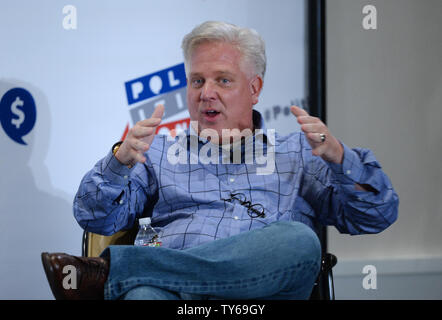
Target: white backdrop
(76,78)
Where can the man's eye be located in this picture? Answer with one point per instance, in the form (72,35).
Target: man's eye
(225,81)
(197,82)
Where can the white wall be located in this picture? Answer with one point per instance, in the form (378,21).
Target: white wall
(385,93)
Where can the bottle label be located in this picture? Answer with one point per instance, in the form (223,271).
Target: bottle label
(154,242)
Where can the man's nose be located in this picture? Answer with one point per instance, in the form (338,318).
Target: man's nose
(208,91)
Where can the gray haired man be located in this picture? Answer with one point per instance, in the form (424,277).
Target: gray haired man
(227,232)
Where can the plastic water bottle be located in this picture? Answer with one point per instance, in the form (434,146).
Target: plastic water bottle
(148,236)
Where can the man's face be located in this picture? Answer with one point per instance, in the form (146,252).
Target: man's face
(221,89)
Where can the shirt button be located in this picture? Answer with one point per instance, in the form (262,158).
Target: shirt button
(232,180)
(121,201)
(125,177)
(348,171)
(235,217)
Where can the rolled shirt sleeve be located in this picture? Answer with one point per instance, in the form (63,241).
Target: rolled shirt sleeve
(111,196)
(340,204)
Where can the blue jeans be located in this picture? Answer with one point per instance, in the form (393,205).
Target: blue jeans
(278,261)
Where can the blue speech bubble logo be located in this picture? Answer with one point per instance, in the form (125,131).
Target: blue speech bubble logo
(17,113)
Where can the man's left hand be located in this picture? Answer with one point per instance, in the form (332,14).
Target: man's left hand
(318,136)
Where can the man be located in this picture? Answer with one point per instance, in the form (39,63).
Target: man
(229,230)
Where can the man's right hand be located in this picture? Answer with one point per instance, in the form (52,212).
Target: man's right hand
(139,139)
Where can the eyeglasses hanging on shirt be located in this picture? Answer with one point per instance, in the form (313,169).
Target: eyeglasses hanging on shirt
(253,210)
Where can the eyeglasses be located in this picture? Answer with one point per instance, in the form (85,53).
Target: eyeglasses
(253,210)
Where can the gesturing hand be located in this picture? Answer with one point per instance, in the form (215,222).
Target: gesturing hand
(318,136)
(139,139)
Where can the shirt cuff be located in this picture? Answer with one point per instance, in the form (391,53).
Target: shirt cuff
(351,168)
(114,170)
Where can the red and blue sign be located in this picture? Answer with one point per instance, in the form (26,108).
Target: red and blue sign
(167,87)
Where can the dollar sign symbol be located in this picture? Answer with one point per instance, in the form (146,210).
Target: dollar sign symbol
(16,111)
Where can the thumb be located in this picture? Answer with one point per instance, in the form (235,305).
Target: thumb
(158,112)
(297,111)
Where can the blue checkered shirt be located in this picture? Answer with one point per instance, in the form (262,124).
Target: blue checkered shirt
(193,202)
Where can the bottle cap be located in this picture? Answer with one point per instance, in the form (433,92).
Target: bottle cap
(144,221)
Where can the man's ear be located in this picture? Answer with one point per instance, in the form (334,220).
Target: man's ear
(255,88)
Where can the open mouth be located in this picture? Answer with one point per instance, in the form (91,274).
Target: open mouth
(211,114)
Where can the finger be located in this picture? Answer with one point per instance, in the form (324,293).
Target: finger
(139,145)
(308,119)
(130,152)
(139,156)
(148,139)
(313,128)
(155,119)
(141,131)
(158,112)
(315,137)
(151,122)
(146,129)
(136,152)
(297,111)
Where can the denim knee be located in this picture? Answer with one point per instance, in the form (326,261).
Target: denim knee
(149,293)
(297,240)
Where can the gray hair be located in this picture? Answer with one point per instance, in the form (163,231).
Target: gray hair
(248,41)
